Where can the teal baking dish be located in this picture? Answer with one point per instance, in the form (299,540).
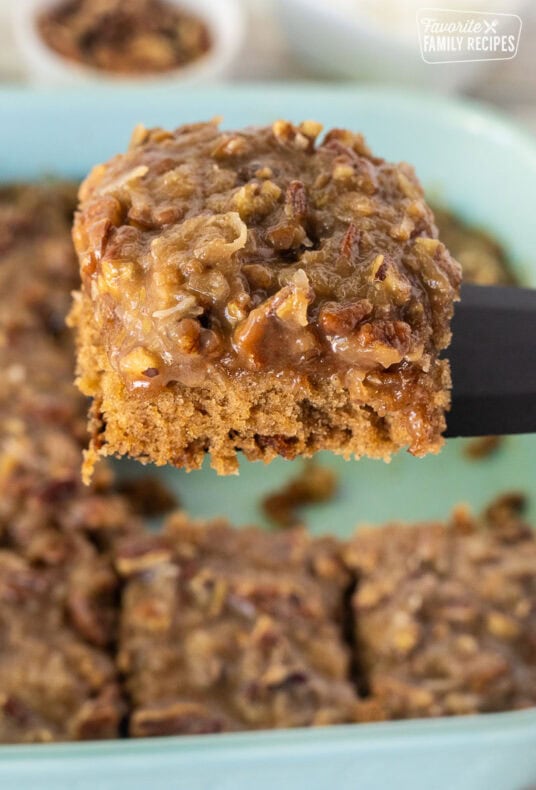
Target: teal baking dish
(485,169)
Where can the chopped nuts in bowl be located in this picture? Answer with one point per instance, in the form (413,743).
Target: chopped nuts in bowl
(65,42)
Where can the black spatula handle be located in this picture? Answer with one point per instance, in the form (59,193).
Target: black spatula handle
(493,361)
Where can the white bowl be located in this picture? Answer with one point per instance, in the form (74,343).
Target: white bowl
(338,38)
(224,19)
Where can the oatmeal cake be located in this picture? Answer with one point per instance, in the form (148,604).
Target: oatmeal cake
(445,615)
(57,622)
(202,628)
(42,415)
(260,291)
(37,271)
(59,592)
(225,629)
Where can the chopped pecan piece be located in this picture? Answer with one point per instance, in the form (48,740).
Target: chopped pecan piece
(341,319)
(314,484)
(296,205)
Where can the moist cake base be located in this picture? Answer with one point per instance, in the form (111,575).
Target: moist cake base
(262,415)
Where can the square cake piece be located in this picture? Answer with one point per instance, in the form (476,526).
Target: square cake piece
(260,291)
(226,629)
(445,614)
(57,621)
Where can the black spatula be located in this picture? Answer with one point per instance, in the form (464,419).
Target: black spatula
(493,361)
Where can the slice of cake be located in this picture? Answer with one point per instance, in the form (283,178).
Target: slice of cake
(228,629)
(260,291)
(57,624)
(445,615)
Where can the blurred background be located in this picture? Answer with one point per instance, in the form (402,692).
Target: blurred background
(319,40)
